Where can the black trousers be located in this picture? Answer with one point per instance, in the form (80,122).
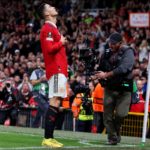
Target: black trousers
(11,113)
(41,110)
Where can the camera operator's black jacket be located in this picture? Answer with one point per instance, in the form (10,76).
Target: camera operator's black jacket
(121,63)
(8,98)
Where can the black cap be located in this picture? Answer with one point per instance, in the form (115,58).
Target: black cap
(115,38)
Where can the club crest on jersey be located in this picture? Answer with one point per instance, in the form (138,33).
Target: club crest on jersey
(49,37)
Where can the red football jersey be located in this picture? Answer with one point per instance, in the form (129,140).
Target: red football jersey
(53,51)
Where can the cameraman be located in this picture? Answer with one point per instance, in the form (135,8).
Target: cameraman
(8,103)
(115,75)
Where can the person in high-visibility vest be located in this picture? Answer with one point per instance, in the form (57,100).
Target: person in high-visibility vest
(82,111)
(98,95)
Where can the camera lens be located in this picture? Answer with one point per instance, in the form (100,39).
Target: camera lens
(8,84)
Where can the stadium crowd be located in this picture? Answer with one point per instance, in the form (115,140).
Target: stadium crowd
(20,52)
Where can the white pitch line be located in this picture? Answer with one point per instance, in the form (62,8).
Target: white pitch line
(102,145)
(85,142)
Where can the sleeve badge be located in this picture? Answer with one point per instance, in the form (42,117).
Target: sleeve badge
(49,37)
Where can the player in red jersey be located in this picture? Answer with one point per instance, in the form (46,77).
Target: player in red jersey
(53,49)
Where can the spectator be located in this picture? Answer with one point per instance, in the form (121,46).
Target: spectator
(27,106)
(143,51)
(139,105)
(25,79)
(40,92)
(25,97)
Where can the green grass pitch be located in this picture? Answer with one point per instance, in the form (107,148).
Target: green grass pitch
(18,138)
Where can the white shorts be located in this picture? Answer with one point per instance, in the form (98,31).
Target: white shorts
(58,86)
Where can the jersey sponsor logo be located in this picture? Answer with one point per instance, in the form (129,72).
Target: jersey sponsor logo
(49,37)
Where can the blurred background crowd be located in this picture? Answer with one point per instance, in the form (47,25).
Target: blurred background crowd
(86,24)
